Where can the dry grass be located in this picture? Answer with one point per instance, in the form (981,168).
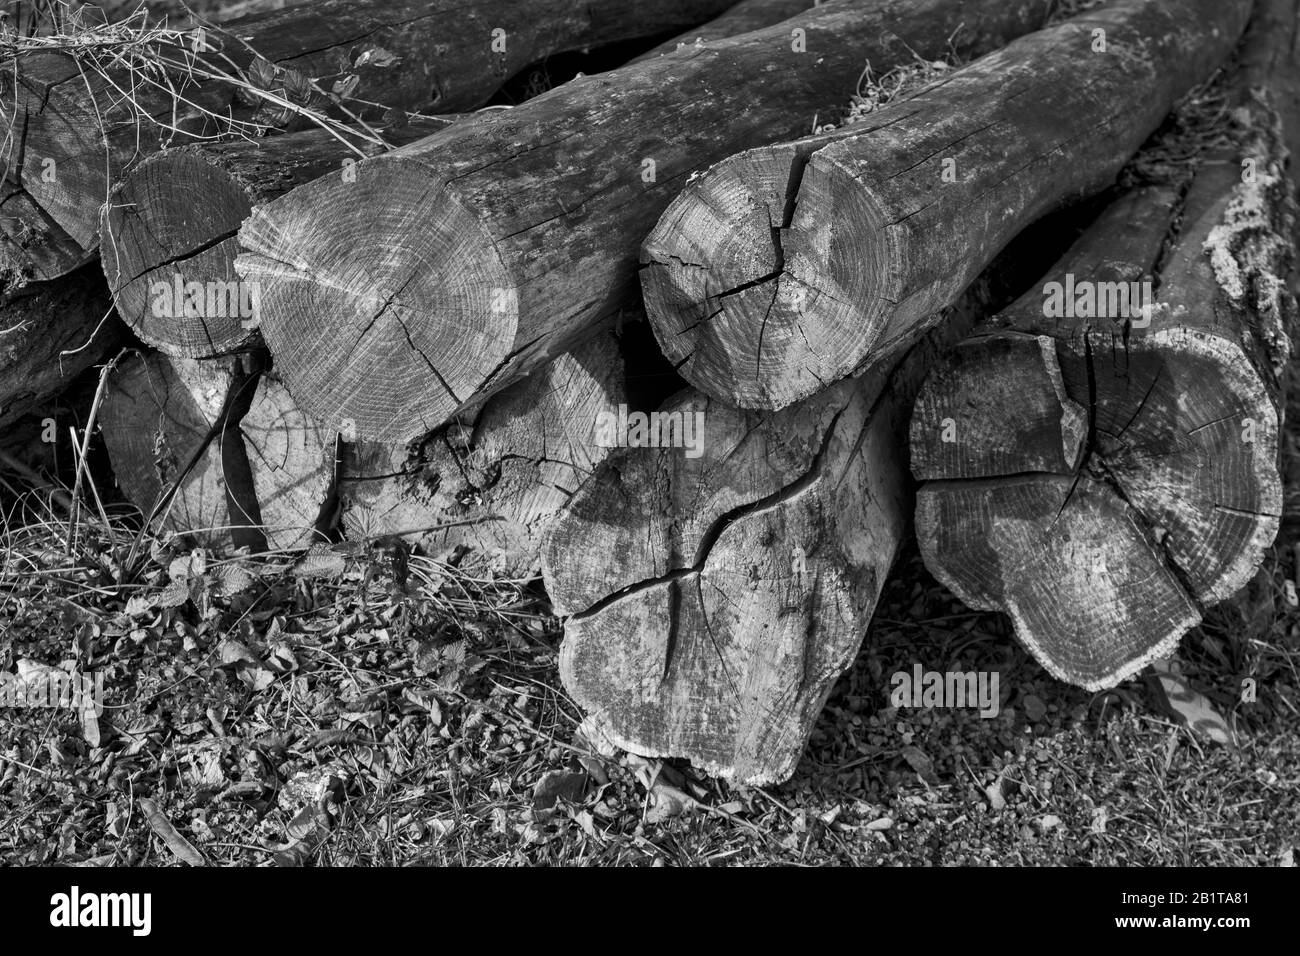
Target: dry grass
(143,71)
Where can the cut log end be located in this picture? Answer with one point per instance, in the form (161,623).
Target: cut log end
(713,601)
(420,316)
(752,296)
(170,229)
(490,483)
(1090,595)
(291,463)
(1168,512)
(163,426)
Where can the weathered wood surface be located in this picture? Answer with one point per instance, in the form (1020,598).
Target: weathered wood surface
(49,334)
(33,247)
(291,465)
(194,198)
(457,265)
(1104,476)
(788,267)
(428,55)
(174,217)
(742,18)
(499,474)
(170,428)
(710,602)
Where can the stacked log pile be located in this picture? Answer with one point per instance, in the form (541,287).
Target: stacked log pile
(530,219)
(370,322)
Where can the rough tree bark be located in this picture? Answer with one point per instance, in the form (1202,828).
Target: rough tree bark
(791,266)
(49,334)
(455,266)
(174,217)
(1105,476)
(170,426)
(499,474)
(742,18)
(439,55)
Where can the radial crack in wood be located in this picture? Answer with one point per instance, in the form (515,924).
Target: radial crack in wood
(518,231)
(883,222)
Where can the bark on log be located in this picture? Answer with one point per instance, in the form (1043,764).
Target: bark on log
(1105,476)
(49,334)
(791,266)
(173,219)
(455,266)
(170,428)
(428,55)
(503,472)
(744,17)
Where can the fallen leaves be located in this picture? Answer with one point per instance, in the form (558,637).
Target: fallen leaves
(180,847)
(1191,706)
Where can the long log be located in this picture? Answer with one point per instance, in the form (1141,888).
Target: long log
(791,266)
(177,212)
(455,266)
(170,426)
(172,220)
(493,479)
(76,124)
(1105,475)
(49,334)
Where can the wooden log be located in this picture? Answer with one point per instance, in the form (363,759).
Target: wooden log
(170,426)
(1106,474)
(742,18)
(500,474)
(194,198)
(49,334)
(790,266)
(33,247)
(711,602)
(457,265)
(79,127)
(291,466)
(172,220)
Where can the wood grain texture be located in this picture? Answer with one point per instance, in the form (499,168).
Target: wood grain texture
(790,266)
(175,216)
(427,55)
(291,466)
(159,416)
(455,266)
(710,603)
(506,469)
(1106,549)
